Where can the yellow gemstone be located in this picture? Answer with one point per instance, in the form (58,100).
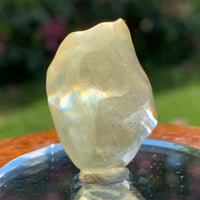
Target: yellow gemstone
(100,98)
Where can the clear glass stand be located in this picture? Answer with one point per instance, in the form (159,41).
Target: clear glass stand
(160,170)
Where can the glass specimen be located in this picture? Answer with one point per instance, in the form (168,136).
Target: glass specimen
(101,102)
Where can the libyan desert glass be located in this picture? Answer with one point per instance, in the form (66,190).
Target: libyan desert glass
(100,98)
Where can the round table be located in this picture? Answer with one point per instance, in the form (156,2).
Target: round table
(16,146)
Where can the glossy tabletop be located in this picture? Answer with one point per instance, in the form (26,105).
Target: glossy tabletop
(16,146)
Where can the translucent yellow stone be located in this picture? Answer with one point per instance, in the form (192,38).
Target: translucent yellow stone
(100,98)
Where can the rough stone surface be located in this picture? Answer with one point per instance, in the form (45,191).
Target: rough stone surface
(100,97)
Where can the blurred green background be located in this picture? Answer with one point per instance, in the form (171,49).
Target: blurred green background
(166,35)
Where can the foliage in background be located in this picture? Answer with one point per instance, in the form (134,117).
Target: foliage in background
(24,108)
(164,32)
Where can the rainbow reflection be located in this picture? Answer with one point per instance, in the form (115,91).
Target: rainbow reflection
(80,102)
(150,122)
(147,128)
(66,102)
(53,99)
(150,115)
(78,94)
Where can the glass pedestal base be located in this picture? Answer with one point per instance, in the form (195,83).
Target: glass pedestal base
(160,170)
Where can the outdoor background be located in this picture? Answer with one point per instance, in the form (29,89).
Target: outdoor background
(166,36)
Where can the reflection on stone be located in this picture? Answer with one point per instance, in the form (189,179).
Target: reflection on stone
(101,101)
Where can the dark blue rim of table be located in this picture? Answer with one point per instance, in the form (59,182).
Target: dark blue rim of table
(25,161)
